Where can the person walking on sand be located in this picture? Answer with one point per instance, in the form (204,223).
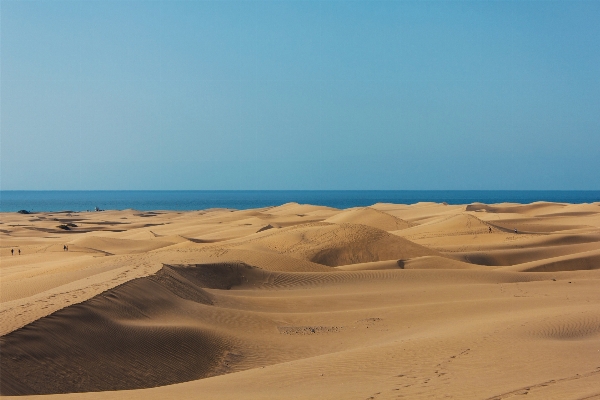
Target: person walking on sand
(12,252)
(64,247)
(490,229)
(19,251)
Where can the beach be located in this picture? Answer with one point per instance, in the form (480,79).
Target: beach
(429,300)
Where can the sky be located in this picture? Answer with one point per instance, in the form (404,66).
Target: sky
(277,95)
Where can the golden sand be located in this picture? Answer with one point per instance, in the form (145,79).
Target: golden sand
(303,302)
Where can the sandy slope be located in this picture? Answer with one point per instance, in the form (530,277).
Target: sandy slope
(300,301)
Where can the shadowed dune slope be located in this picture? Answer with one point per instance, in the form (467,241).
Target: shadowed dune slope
(573,262)
(147,332)
(508,257)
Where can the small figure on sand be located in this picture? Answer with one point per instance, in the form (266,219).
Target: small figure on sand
(19,251)
(515,230)
(490,229)
(67,247)
(64,247)
(12,252)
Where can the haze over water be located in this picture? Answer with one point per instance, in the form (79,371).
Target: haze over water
(244,199)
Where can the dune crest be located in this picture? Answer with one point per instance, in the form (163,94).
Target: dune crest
(370,217)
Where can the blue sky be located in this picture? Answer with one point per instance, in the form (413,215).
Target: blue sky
(300,95)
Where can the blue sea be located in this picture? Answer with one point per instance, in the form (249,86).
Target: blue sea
(143,200)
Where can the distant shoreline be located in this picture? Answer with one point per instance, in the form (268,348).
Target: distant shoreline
(188,200)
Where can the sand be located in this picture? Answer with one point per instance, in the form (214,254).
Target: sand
(305,302)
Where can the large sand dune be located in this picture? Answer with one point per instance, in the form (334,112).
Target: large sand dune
(305,302)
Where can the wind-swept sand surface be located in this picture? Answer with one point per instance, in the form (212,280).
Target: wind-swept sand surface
(303,302)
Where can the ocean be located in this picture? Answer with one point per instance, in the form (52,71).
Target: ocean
(81,200)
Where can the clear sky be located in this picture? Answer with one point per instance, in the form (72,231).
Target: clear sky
(300,95)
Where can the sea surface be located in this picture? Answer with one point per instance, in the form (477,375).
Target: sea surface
(33,201)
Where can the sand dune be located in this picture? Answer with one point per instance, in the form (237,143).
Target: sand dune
(506,257)
(297,209)
(533,208)
(370,217)
(457,225)
(572,262)
(334,245)
(300,301)
(117,342)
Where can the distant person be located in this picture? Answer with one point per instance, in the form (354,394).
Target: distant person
(19,251)
(12,252)
(64,247)
(490,229)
